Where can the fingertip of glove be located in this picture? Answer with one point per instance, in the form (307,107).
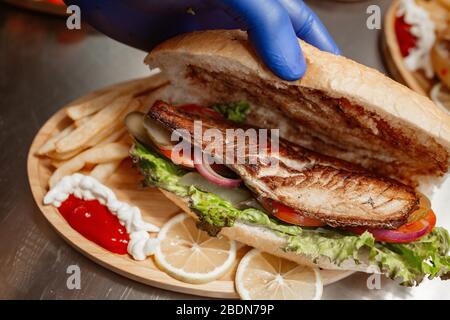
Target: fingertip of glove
(294,66)
(335,50)
(292,71)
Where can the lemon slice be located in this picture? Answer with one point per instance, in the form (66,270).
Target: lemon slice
(440,94)
(191,255)
(261,276)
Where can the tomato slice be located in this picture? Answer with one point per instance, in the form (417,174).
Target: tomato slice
(408,232)
(194,108)
(429,219)
(289,215)
(167,152)
(177,159)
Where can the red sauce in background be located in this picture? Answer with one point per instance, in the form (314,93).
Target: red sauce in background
(406,40)
(57,2)
(96,223)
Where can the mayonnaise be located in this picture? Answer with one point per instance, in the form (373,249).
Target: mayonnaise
(423,28)
(84,187)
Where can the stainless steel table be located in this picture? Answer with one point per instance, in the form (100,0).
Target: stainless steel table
(42,67)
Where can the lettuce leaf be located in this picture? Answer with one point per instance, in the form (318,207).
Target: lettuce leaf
(234,111)
(411,261)
(408,263)
(157,171)
(213,212)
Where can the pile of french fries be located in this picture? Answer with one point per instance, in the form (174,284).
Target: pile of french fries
(96,138)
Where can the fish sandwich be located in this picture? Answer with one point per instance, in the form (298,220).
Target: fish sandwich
(356,154)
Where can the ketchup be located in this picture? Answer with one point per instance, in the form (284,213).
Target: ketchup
(406,40)
(96,223)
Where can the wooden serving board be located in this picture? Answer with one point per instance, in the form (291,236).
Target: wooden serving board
(155,208)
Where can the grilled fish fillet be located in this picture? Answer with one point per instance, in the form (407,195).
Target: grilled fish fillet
(336,192)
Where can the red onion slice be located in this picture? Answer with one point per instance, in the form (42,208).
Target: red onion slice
(400,236)
(208,173)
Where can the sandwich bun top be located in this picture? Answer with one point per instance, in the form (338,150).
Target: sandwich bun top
(339,107)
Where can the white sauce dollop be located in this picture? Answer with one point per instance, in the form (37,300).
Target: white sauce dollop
(141,245)
(423,28)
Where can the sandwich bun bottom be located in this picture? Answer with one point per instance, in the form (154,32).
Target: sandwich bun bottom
(268,241)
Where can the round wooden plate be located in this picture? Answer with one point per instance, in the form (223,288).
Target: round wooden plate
(155,208)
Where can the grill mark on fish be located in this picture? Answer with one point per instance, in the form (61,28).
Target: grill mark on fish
(336,192)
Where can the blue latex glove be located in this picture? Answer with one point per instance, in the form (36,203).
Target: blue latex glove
(273,25)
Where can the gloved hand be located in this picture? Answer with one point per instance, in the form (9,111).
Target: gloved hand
(272,25)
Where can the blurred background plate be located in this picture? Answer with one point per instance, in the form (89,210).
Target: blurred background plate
(394,60)
(437,86)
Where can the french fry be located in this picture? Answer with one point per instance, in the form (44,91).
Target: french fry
(106,153)
(81,121)
(100,140)
(103,171)
(50,145)
(101,120)
(113,137)
(97,139)
(111,134)
(116,130)
(78,112)
(59,158)
(57,163)
(84,109)
(65,155)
